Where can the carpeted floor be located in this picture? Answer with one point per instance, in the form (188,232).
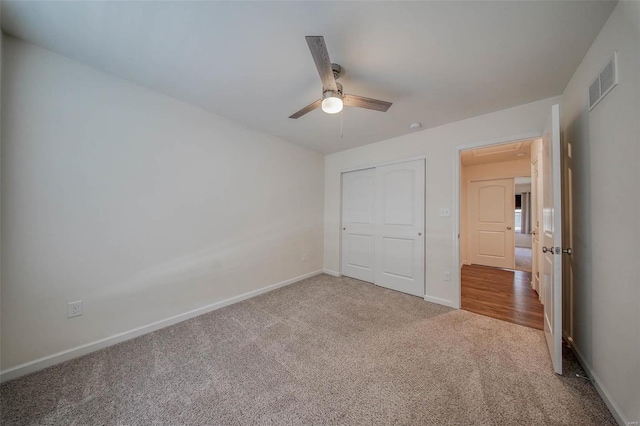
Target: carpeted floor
(324,351)
(523,259)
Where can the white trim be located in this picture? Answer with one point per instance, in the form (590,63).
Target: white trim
(455,208)
(602,391)
(50,360)
(440,301)
(332,273)
(385,163)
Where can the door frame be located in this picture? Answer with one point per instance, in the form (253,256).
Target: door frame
(455,207)
(380,164)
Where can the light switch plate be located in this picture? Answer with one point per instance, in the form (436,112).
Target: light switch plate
(445,211)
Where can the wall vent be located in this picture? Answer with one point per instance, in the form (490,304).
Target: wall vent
(604,82)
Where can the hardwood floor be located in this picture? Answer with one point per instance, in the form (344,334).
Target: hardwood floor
(502,294)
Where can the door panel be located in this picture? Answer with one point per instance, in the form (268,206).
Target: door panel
(398,191)
(357,225)
(552,238)
(492,202)
(491,243)
(359,250)
(398,257)
(399,219)
(491,222)
(358,197)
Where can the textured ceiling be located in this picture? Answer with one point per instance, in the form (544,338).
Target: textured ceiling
(438,62)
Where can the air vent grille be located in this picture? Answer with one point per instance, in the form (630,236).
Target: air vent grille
(594,93)
(604,82)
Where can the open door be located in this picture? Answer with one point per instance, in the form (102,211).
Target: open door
(552,237)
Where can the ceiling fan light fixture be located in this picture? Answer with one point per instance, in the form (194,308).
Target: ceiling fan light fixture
(333,98)
(332,102)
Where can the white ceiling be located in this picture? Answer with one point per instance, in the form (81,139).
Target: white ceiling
(438,62)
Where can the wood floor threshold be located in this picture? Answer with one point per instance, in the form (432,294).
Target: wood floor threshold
(503,294)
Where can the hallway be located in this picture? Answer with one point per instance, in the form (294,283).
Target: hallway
(503,294)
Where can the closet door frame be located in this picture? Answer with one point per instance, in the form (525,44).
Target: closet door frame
(381,164)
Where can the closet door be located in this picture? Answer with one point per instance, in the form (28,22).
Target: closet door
(399,227)
(357,224)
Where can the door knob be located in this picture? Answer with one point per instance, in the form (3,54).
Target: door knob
(419,233)
(544,249)
(533,233)
(508,228)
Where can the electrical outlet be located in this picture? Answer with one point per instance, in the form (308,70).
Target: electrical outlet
(447,276)
(304,257)
(445,212)
(74,309)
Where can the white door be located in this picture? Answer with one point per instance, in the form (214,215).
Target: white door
(491,222)
(552,238)
(357,224)
(399,218)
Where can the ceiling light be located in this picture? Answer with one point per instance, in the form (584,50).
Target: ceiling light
(332,102)
(414,126)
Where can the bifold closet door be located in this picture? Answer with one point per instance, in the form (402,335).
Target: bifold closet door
(358,191)
(399,223)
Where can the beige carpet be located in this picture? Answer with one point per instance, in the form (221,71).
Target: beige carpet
(523,259)
(324,351)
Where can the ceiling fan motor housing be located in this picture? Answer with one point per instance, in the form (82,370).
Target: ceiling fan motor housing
(333,94)
(337,69)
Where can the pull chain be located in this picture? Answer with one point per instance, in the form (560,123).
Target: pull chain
(341,134)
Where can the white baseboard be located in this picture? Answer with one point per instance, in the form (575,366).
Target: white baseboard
(602,391)
(48,361)
(440,301)
(333,273)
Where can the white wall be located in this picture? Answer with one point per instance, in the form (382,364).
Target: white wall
(605,144)
(142,206)
(439,145)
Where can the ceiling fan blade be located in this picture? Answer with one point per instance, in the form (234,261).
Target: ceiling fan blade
(307,109)
(323,63)
(368,103)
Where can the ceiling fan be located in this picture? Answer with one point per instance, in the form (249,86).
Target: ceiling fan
(333,98)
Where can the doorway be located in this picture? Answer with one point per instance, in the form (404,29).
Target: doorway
(523,229)
(496,233)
